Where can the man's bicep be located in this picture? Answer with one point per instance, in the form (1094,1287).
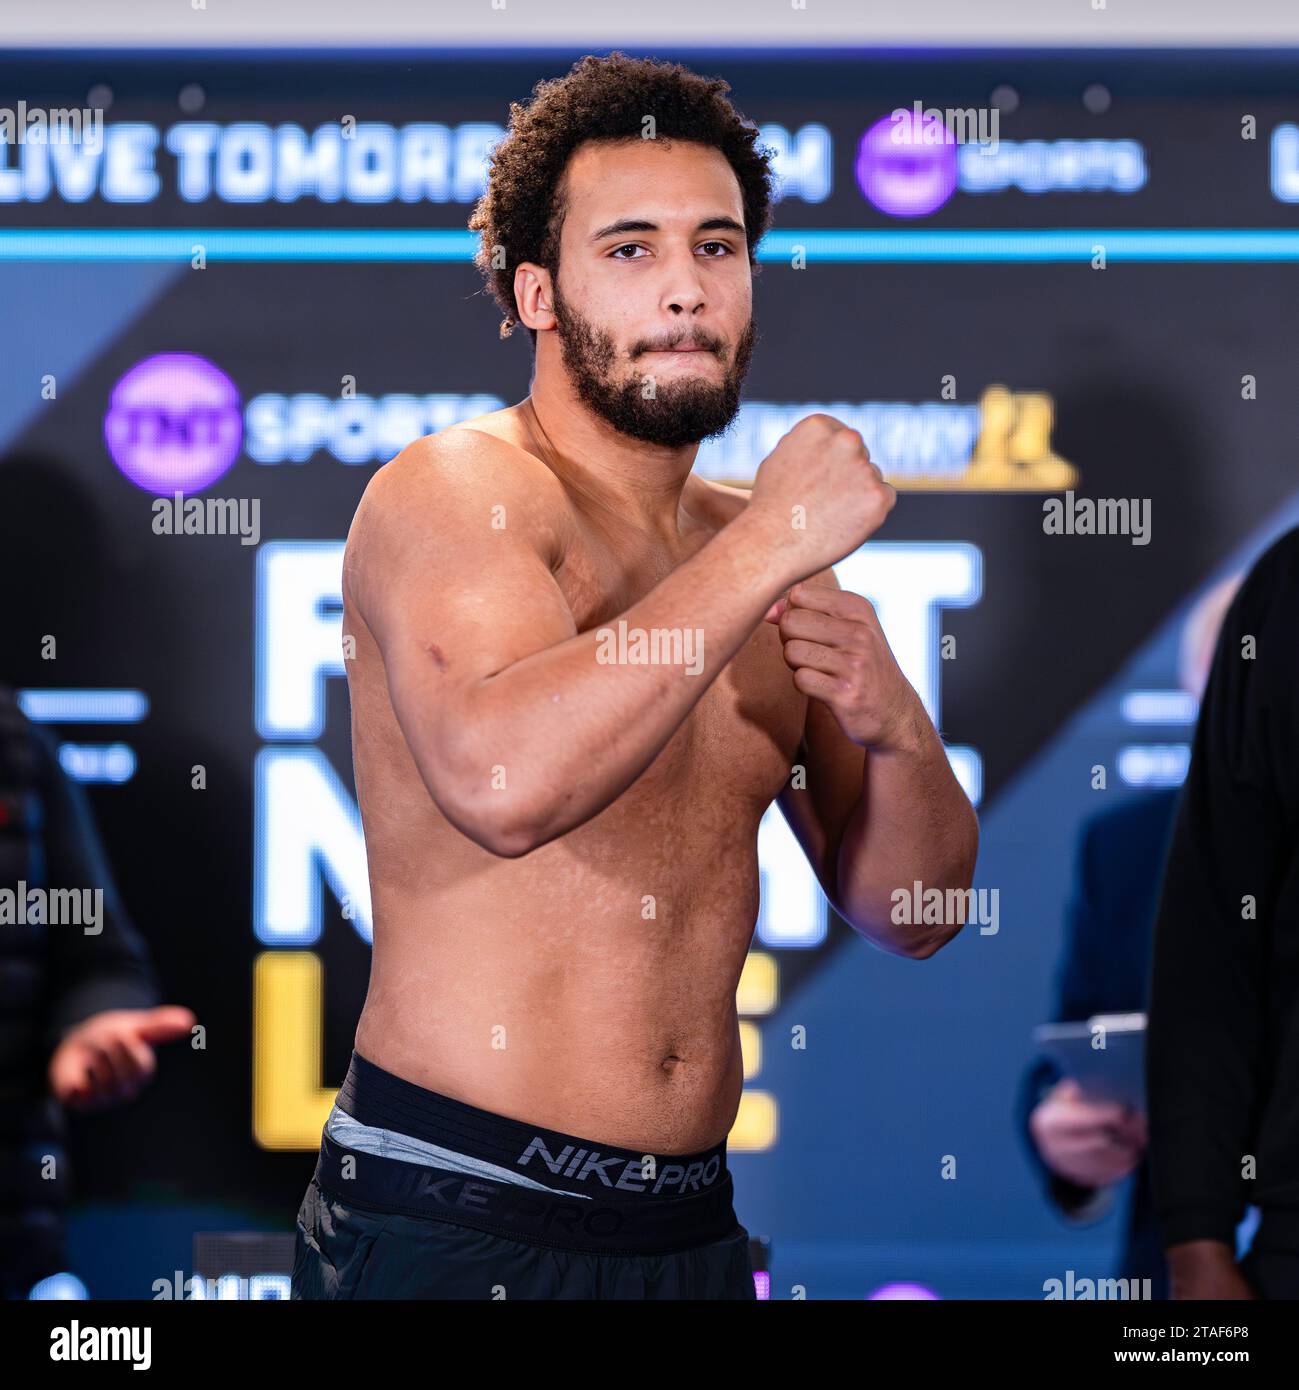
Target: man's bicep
(447,552)
(437,650)
(449,575)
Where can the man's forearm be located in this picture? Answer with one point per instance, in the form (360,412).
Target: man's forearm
(913,824)
(574,725)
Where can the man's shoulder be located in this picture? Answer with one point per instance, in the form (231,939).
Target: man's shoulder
(1267,606)
(455,488)
(462,467)
(463,456)
(1276,571)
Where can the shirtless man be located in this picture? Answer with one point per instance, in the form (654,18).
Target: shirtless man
(562,835)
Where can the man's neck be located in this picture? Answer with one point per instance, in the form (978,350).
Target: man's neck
(640,483)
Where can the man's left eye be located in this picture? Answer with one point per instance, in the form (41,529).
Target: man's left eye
(720,245)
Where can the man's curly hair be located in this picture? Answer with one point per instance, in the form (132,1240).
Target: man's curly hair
(520,216)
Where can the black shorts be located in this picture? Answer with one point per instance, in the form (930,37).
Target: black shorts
(416,1195)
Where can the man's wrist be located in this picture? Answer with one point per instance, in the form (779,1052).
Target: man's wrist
(912,734)
(775,540)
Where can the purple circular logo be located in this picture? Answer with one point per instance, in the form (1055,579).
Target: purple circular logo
(907,166)
(174,423)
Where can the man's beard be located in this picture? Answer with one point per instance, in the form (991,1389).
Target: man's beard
(668,413)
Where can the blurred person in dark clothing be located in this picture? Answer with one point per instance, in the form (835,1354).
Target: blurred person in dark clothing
(78,1007)
(1222,1063)
(1082,1148)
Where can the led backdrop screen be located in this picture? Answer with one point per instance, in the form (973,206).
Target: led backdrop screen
(253,282)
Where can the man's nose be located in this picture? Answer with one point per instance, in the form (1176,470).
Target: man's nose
(684,290)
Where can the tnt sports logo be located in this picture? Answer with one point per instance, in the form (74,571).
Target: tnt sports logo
(905,166)
(911,162)
(174,423)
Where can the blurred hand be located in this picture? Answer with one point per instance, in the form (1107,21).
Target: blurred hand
(1091,1143)
(109,1057)
(1206,1269)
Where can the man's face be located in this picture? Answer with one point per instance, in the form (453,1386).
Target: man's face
(655,318)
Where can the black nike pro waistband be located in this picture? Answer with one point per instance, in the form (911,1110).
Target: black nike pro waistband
(517,1180)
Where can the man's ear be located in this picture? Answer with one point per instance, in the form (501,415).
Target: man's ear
(534,295)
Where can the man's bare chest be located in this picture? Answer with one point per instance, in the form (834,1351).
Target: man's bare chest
(742,735)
